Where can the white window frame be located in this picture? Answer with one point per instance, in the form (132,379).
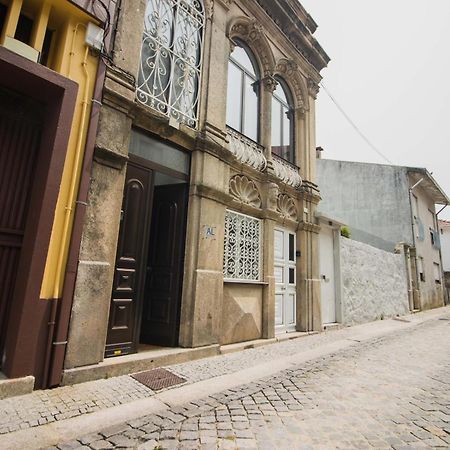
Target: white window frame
(235,263)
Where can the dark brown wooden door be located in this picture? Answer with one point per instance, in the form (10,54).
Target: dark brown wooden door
(130,261)
(20,133)
(162,295)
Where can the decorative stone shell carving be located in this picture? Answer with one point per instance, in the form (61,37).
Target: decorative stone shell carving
(289,71)
(286,207)
(244,190)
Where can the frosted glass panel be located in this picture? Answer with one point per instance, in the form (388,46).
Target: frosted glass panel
(159,152)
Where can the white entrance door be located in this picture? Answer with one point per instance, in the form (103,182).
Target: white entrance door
(285,280)
(327,281)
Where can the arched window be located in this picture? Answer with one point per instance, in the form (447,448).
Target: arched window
(243,93)
(171,57)
(282,123)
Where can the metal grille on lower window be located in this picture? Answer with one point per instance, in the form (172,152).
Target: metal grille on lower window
(242,247)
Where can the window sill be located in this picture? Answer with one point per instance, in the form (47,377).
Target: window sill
(232,281)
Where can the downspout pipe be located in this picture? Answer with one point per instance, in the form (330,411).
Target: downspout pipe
(59,341)
(60,336)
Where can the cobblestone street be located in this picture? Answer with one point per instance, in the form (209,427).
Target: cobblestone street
(391,391)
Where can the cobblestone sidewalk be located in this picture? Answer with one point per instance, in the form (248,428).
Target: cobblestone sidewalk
(386,393)
(42,407)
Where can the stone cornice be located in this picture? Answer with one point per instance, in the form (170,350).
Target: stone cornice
(210,193)
(309,226)
(297,26)
(109,158)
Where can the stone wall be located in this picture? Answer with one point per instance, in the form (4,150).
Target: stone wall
(374,283)
(447,288)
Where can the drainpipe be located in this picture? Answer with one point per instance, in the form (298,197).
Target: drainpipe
(59,343)
(60,336)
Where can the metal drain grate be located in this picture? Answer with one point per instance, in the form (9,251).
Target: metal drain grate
(157,379)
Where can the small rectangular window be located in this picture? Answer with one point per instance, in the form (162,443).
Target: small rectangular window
(420,268)
(437,273)
(291,275)
(291,247)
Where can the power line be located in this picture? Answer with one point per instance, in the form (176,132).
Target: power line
(354,126)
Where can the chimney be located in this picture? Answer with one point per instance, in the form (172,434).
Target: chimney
(319,151)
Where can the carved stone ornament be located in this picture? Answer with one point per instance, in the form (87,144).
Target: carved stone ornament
(289,71)
(272,196)
(269,83)
(250,32)
(245,191)
(286,207)
(313,88)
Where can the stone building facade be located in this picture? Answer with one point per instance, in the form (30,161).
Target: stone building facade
(198,233)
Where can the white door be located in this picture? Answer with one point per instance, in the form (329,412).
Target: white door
(327,282)
(285,280)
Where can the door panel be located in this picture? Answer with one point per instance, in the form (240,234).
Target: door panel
(327,282)
(20,132)
(128,276)
(162,296)
(285,281)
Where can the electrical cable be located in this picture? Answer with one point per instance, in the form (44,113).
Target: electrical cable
(354,126)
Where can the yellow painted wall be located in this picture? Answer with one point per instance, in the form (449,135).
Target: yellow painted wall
(70,57)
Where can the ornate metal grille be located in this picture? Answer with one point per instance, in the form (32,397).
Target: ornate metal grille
(171,58)
(242,247)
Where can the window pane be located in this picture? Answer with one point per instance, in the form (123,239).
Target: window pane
(279,93)
(241,57)
(291,248)
(153,150)
(251,110)
(287,148)
(168,78)
(234,101)
(291,275)
(276,127)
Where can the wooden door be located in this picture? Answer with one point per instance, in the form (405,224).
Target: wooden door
(162,296)
(130,261)
(20,131)
(285,281)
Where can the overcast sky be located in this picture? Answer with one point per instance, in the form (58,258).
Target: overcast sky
(390,72)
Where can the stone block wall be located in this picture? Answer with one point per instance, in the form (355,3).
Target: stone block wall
(447,287)
(374,283)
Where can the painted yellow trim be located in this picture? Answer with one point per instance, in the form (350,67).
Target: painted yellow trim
(68,217)
(40,26)
(70,57)
(11,21)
